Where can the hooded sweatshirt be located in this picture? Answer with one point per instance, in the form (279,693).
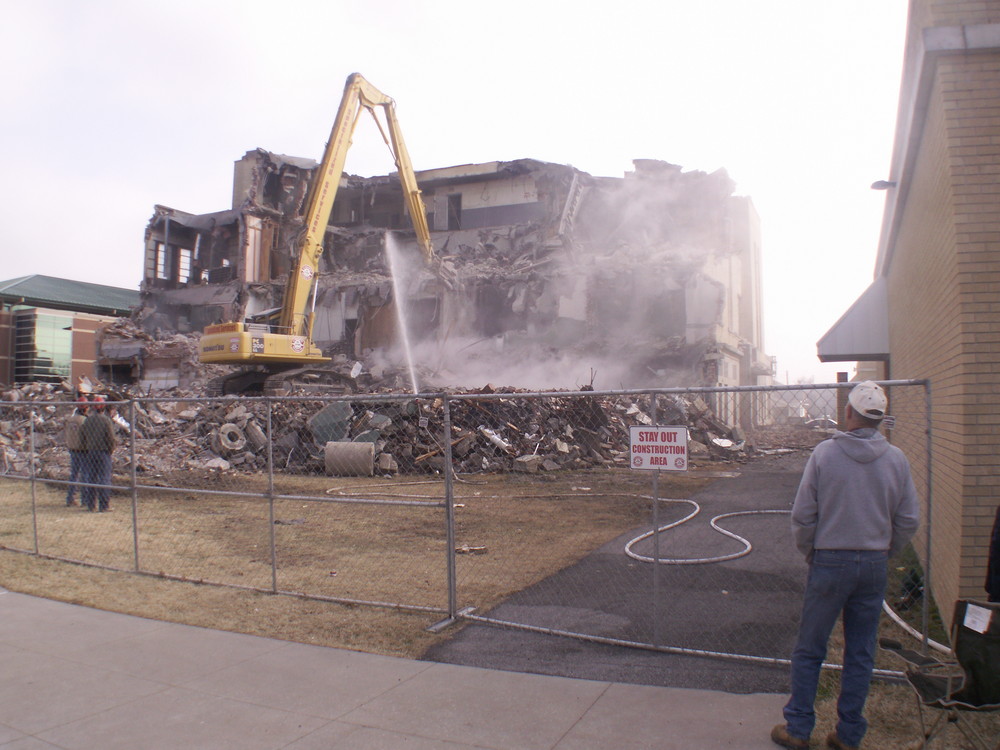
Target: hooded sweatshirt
(856,493)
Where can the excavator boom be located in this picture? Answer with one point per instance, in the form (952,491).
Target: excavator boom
(359,95)
(290,343)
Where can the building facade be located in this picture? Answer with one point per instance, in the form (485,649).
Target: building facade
(648,279)
(933,310)
(49,327)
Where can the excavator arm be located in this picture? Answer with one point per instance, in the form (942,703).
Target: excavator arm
(290,342)
(359,95)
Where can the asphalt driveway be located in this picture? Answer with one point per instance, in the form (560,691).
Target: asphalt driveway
(748,605)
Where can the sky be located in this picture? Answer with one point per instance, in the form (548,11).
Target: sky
(114,106)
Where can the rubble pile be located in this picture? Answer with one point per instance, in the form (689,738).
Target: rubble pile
(17,433)
(160,361)
(504,433)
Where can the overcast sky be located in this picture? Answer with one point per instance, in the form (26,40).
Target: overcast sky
(113,106)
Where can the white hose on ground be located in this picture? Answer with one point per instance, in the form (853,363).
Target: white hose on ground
(747,548)
(913,631)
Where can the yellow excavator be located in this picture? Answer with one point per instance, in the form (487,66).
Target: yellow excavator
(287,344)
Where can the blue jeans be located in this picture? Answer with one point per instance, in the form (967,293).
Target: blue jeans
(97,470)
(851,582)
(76,472)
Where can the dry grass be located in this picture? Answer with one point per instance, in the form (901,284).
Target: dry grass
(379,553)
(529,527)
(891,709)
(395,554)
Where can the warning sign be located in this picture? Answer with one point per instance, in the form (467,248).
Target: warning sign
(660,448)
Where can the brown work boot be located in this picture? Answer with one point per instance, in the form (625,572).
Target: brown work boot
(834,742)
(780,736)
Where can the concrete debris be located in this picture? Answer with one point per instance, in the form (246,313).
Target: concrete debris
(156,362)
(528,464)
(347,437)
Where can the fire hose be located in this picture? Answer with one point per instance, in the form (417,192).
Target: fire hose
(747,548)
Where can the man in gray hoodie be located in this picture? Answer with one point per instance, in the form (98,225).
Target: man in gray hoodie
(856,506)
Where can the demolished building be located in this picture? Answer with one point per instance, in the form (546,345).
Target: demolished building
(648,280)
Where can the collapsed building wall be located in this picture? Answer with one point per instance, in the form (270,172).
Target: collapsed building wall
(647,280)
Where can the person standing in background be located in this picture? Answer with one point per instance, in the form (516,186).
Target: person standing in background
(74,445)
(98,437)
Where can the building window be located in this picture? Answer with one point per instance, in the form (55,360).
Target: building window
(184,267)
(162,263)
(43,347)
(173,263)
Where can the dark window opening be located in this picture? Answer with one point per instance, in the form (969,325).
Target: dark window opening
(350,331)
(455,211)
(119,373)
(422,318)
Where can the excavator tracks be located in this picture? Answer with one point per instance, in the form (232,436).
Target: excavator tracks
(252,382)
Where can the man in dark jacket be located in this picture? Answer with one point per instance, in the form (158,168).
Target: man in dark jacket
(98,437)
(856,506)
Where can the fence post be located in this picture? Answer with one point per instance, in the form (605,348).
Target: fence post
(132,481)
(31,469)
(270,499)
(842,377)
(449,505)
(656,538)
(925,599)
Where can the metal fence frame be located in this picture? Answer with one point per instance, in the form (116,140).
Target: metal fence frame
(452,611)
(470,615)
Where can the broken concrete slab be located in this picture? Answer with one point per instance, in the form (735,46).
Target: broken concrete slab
(528,464)
(332,423)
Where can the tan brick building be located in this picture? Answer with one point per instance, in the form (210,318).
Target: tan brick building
(934,308)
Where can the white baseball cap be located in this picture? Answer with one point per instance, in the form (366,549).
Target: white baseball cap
(868,400)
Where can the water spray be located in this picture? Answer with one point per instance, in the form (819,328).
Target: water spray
(395,271)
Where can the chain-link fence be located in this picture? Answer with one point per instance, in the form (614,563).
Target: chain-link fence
(509,508)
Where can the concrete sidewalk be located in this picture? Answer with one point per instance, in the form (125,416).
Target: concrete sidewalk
(74,677)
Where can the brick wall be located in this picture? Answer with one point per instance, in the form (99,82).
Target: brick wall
(85,329)
(924,336)
(971,93)
(944,301)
